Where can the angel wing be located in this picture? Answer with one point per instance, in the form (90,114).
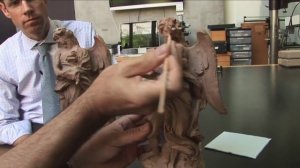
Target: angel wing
(100,55)
(202,63)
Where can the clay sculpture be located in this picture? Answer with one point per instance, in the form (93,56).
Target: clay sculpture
(76,67)
(175,141)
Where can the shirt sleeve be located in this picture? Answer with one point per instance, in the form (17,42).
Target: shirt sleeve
(11,132)
(84,32)
(93,34)
(11,128)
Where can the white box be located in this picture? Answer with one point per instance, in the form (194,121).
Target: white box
(142,50)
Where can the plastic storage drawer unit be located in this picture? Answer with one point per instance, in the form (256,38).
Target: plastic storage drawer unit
(239,33)
(240,40)
(240,47)
(244,54)
(241,61)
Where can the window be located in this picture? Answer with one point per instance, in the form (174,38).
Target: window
(141,34)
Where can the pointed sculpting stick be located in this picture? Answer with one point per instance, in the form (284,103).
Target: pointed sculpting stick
(163,91)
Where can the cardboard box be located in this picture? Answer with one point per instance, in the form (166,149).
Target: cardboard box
(218,35)
(223,59)
(260,32)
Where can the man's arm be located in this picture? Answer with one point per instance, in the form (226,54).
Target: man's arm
(4,149)
(11,128)
(55,143)
(115,145)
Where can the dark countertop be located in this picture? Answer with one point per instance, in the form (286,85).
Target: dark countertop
(262,101)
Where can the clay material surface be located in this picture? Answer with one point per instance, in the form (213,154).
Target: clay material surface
(76,67)
(175,141)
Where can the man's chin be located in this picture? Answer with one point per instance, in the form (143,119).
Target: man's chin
(34,33)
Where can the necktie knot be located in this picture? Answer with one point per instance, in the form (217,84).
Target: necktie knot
(43,49)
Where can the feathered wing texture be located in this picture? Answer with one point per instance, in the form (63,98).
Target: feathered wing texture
(202,63)
(100,55)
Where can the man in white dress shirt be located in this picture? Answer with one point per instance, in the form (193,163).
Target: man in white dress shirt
(20,77)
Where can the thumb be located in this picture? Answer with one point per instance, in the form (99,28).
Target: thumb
(134,135)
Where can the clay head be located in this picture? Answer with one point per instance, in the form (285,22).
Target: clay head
(64,38)
(171,26)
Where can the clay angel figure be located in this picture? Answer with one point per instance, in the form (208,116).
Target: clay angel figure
(76,67)
(175,141)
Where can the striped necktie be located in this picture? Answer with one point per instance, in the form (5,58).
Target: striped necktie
(50,99)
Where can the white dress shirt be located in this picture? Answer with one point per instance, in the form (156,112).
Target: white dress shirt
(20,79)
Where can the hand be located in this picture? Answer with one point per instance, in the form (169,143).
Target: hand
(113,146)
(123,85)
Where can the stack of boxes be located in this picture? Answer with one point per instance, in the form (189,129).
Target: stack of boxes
(289,58)
(219,40)
(240,46)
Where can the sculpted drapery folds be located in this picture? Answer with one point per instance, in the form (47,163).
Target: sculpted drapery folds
(76,67)
(175,141)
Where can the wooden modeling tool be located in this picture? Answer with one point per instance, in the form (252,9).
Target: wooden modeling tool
(163,91)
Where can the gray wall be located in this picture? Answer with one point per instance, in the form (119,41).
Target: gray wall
(197,13)
(7,28)
(62,10)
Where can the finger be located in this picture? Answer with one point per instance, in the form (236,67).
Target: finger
(128,121)
(134,135)
(143,64)
(174,77)
(174,81)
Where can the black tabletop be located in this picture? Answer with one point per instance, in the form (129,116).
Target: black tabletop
(262,101)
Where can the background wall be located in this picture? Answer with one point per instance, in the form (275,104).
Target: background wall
(235,10)
(7,28)
(197,13)
(62,10)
